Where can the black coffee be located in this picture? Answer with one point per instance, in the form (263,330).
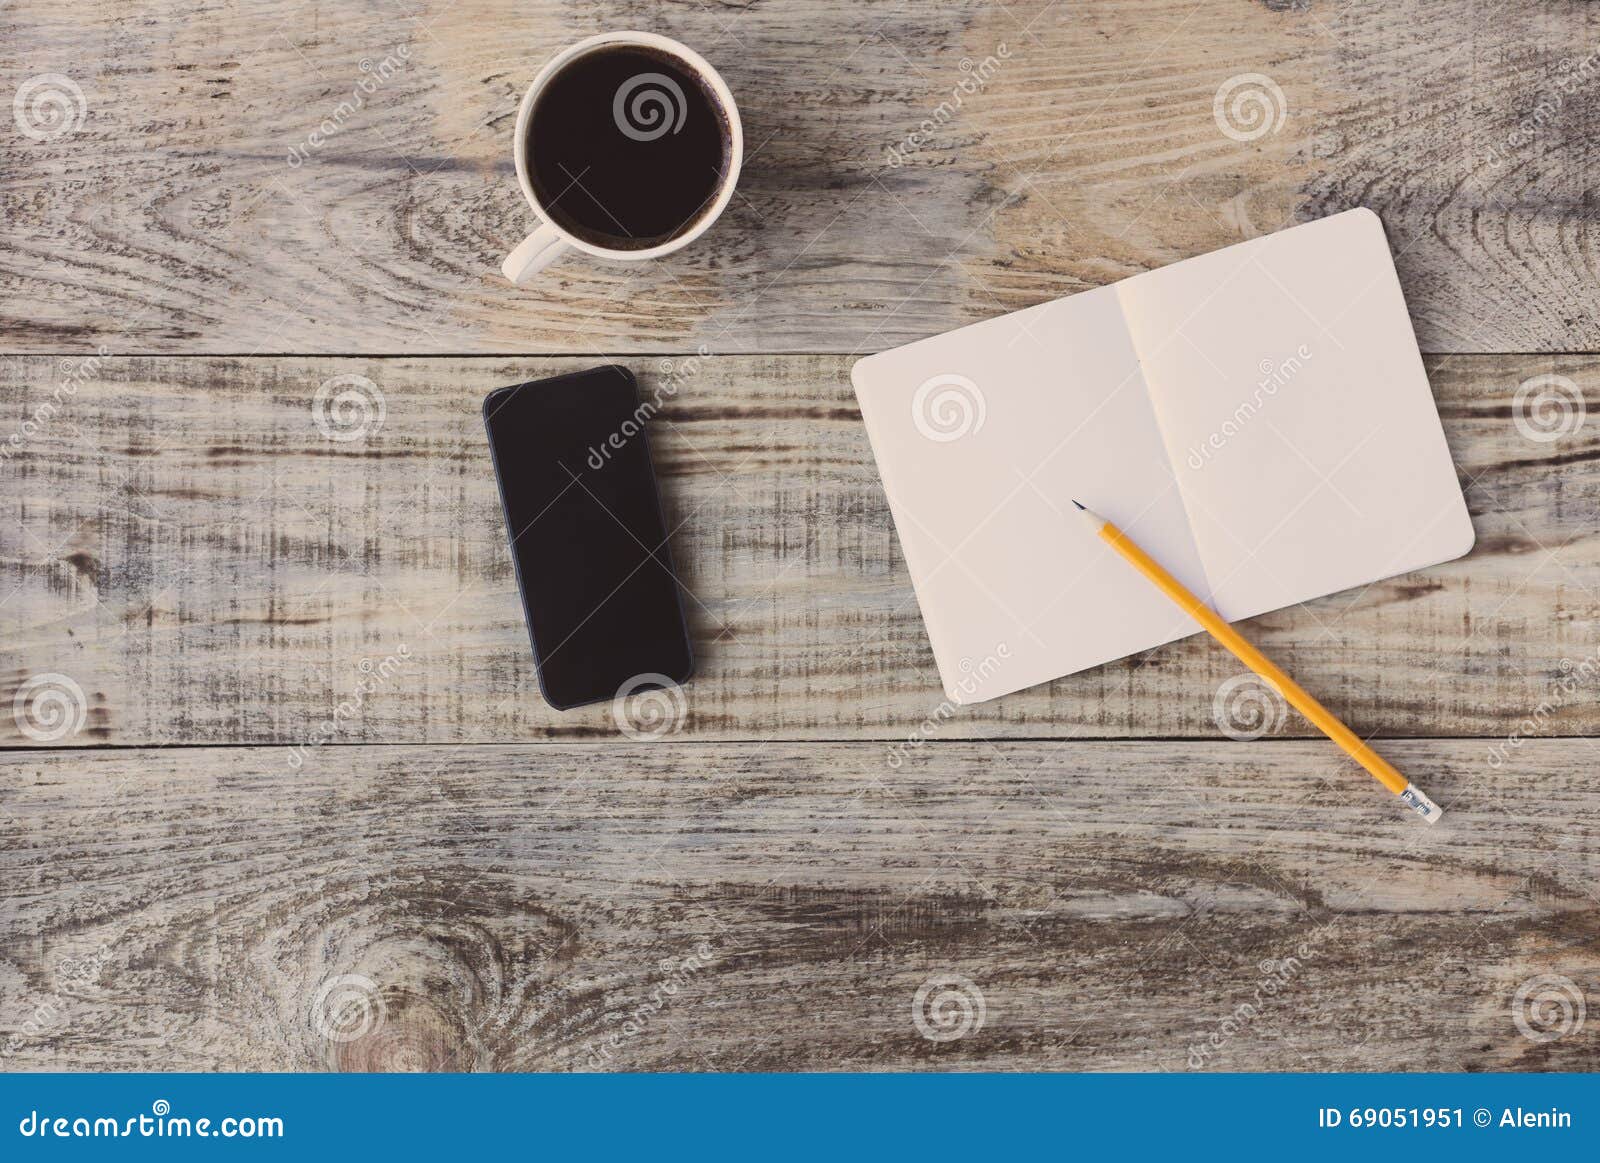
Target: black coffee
(627,148)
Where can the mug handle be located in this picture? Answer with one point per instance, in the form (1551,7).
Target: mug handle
(534,253)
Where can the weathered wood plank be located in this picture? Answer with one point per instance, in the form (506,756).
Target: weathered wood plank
(166,216)
(520,907)
(181,540)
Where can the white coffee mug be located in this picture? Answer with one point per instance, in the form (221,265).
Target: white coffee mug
(550,241)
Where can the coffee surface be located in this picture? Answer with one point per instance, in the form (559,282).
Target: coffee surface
(626,148)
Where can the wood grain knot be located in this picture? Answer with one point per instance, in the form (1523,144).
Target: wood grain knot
(407,974)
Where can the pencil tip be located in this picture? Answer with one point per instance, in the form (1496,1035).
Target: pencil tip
(1079,506)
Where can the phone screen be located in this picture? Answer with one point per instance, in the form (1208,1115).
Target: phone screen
(587,535)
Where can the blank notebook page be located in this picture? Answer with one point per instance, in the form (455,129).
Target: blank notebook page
(1296,414)
(981,435)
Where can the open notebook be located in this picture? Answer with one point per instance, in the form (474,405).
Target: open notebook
(1258,419)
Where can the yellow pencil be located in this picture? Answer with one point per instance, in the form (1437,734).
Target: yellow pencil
(1322,718)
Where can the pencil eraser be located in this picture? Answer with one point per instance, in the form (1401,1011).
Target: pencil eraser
(1413,798)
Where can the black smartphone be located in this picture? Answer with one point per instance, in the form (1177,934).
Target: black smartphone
(588,539)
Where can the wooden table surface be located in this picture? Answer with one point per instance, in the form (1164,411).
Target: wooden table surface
(278,792)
